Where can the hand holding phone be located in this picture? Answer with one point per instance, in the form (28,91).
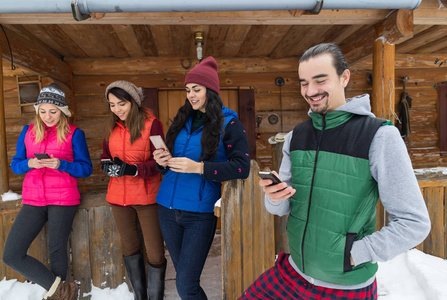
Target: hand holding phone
(41,156)
(158,142)
(271,176)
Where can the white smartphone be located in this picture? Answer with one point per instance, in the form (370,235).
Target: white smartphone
(158,142)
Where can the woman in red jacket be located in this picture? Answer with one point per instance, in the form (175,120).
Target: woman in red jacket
(134,181)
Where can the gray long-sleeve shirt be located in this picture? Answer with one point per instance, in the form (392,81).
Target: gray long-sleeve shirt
(399,192)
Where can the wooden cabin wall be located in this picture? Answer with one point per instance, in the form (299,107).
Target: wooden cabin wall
(286,102)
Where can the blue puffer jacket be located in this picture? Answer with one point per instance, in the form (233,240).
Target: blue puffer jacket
(190,191)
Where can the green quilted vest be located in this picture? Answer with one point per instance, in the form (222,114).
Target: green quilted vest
(335,202)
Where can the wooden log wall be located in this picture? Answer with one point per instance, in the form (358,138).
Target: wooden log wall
(285,102)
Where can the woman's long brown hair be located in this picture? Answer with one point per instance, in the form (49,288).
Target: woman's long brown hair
(135,119)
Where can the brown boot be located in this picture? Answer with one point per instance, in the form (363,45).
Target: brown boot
(62,291)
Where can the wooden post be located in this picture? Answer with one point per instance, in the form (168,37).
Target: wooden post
(4,179)
(395,29)
(382,103)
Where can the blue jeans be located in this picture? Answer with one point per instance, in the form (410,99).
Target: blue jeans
(29,222)
(188,236)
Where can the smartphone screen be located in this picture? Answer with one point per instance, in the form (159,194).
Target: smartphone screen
(41,155)
(158,142)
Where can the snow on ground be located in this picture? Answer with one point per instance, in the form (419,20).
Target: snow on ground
(413,275)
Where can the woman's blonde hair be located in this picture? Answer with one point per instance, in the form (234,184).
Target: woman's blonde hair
(62,129)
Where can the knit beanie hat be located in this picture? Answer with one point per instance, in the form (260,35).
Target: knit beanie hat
(135,92)
(205,73)
(52,94)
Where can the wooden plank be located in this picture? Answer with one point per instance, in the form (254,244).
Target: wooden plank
(261,40)
(56,33)
(32,39)
(313,35)
(259,235)
(288,100)
(106,262)
(423,38)
(182,39)
(231,241)
(249,230)
(129,39)
(163,40)
(408,61)
(434,46)
(81,250)
(30,57)
(215,41)
(434,243)
(233,42)
(360,46)
(354,16)
(162,65)
(146,40)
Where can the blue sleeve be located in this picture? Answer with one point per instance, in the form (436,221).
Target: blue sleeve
(19,164)
(81,165)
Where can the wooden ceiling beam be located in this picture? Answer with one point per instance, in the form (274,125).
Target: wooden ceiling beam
(398,27)
(157,65)
(29,56)
(409,61)
(428,13)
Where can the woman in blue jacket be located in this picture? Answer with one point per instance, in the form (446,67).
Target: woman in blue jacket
(208,146)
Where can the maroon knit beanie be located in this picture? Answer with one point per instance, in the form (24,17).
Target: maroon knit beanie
(205,73)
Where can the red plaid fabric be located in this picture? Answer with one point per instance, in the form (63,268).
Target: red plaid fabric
(283,282)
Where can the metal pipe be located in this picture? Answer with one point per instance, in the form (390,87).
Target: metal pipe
(110,6)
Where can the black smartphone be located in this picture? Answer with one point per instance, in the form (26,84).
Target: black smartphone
(271,176)
(41,155)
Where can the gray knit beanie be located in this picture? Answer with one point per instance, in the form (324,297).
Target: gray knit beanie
(52,94)
(135,92)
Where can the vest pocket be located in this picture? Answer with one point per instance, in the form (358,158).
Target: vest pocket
(350,238)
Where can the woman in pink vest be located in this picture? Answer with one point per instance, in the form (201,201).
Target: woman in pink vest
(134,181)
(50,192)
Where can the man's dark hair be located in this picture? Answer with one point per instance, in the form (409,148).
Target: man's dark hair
(338,59)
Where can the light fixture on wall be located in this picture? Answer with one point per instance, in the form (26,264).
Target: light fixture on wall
(198,38)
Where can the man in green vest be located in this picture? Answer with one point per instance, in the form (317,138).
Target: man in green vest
(335,167)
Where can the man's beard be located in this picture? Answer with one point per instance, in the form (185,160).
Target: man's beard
(320,108)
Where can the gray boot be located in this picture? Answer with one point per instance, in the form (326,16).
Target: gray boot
(156,282)
(137,275)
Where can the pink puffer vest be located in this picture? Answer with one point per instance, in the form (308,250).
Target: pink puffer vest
(48,186)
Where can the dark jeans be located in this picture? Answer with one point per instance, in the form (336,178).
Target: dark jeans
(126,220)
(188,236)
(27,225)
